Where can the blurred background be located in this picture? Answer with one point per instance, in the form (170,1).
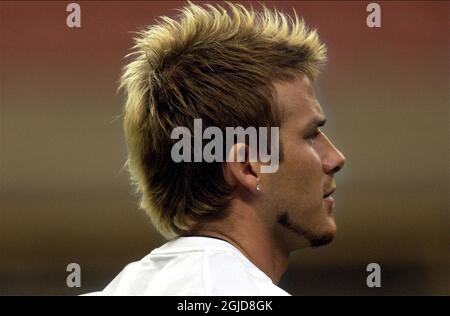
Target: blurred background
(64,197)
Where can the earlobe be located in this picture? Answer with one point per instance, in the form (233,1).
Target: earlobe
(244,173)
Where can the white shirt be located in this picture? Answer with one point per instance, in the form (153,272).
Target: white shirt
(193,266)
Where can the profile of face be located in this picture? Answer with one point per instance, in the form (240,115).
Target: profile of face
(297,199)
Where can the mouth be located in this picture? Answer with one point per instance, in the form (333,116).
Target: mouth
(329,199)
(326,195)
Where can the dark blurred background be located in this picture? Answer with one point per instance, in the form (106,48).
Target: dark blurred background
(64,197)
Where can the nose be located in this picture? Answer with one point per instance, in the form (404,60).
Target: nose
(333,161)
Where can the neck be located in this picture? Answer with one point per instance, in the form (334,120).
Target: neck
(246,231)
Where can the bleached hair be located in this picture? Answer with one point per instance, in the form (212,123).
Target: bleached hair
(214,63)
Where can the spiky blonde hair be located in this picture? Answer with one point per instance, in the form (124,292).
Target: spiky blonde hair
(211,64)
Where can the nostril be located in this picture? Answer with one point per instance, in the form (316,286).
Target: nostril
(336,169)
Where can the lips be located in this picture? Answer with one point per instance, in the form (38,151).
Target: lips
(329,193)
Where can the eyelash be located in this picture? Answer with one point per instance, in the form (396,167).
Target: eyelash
(315,134)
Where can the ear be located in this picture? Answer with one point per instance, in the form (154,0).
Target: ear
(242,172)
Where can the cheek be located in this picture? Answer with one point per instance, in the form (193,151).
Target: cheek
(300,172)
(299,179)
(307,166)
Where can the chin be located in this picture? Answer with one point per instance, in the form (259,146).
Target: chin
(325,236)
(302,236)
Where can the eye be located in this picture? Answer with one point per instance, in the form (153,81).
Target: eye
(311,137)
(314,134)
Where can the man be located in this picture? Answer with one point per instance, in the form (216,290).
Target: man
(231,227)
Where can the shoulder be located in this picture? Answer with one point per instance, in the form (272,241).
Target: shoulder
(230,273)
(193,266)
(171,274)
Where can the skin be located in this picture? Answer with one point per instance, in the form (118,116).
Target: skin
(290,211)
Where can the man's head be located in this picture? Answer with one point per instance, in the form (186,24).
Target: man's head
(299,193)
(237,68)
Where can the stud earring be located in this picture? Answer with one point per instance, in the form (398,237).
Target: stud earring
(258,187)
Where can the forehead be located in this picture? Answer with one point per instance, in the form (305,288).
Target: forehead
(297,101)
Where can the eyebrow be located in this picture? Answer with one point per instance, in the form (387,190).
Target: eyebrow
(317,122)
